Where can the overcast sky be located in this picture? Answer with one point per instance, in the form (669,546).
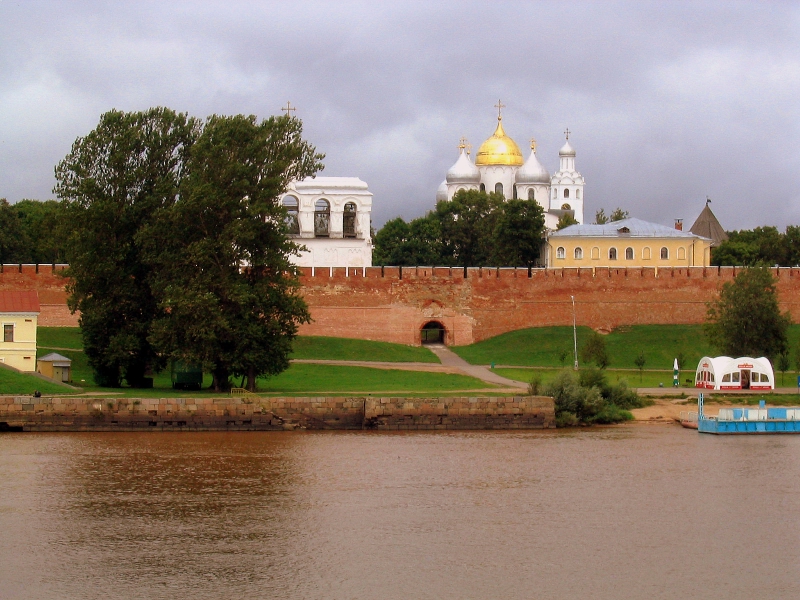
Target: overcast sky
(667,102)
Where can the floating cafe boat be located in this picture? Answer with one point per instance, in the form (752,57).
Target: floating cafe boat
(725,373)
(743,420)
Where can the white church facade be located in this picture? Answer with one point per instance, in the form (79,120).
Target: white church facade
(499,167)
(331,218)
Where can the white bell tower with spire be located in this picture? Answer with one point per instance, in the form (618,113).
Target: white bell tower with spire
(566,186)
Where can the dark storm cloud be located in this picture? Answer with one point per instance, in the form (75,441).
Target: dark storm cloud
(667,102)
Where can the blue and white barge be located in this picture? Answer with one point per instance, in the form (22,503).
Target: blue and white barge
(749,420)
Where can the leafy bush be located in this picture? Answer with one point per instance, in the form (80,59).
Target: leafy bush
(588,398)
(535,386)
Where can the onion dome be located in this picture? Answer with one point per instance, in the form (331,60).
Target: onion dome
(441,193)
(464,171)
(567,150)
(533,171)
(499,149)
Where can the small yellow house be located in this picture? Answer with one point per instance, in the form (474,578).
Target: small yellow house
(19,312)
(626,243)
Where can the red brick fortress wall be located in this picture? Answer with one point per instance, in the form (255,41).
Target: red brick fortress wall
(392,304)
(45,280)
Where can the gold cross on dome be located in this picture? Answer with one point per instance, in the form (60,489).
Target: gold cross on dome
(499,106)
(464,144)
(288,108)
(533,144)
(567,132)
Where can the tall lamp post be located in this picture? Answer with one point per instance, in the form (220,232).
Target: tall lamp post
(574,334)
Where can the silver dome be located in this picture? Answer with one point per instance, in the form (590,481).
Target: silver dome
(464,171)
(566,150)
(441,193)
(532,171)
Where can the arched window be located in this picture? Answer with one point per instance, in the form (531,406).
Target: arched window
(596,253)
(664,253)
(578,253)
(628,253)
(612,254)
(566,206)
(515,192)
(483,188)
(531,195)
(555,194)
(646,253)
(349,220)
(566,193)
(577,194)
(291,205)
(681,253)
(560,252)
(498,188)
(322,218)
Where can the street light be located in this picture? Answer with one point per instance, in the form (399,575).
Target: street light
(574,334)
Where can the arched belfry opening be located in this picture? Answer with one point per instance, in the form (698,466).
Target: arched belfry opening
(433,332)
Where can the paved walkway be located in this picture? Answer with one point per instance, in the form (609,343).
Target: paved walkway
(451,359)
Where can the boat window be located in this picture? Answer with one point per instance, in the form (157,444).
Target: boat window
(735,377)
(711,377)
(726,378)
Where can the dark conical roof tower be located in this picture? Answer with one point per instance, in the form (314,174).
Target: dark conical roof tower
(708,226)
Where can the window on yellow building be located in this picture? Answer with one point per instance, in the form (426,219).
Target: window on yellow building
(628,253)
(560,252)
(596,253)
(578,253)
(681,253)
(646,253)
(664,253)
(612,254)
(8,333)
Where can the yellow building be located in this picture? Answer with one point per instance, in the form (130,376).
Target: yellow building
(19,312)
(626,243)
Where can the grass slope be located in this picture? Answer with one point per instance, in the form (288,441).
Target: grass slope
(632,378)
(330,348)
(59,337)
(541,346)
(15,383)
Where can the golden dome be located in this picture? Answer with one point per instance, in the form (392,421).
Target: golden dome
(499,149)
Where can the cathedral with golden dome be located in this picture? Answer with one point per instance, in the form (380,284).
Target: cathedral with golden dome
(500,167)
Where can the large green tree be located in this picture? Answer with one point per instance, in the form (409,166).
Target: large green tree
(409,244)
(746,320)
(220,256)
(111,184)
(467,223)
(517,235)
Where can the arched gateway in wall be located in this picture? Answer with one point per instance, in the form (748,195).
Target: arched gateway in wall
(433,332)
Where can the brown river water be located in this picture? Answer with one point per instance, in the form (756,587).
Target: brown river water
(624,512)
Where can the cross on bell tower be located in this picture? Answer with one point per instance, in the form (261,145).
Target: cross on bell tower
(567,132)
(288,108)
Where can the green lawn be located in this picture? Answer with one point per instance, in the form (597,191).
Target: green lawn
(59,337)
(329,348)
(648,378)
(302,378)
(12,383)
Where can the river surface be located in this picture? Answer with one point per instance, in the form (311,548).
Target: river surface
(624,512)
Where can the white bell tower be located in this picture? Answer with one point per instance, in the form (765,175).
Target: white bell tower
(566,186)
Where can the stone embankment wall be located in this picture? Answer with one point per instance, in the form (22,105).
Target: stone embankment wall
(392,304)
(24,413)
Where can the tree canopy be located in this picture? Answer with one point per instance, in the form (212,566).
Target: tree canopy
(762,246)
(474,229)
(31,232)
(177,244)
(746,320)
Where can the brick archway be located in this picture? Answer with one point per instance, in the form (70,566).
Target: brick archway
(433,332)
